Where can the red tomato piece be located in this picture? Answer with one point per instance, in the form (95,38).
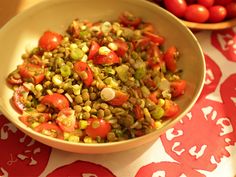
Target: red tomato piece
(177,7)
(196,13)
(150,83)
(120,98)
(178,88)
(217,13)
(34,117)
(139,133)
(14,80)
(93,50)
(138,112)
(206,3)
(231,10)
(82,66)
(171,108)
(50,40)
(128,19)
(56,100)
(56,132)
(154,38)
(122,47)
(148,27)
(31,72)
(153,97)
(109,59)
(142,43)
(66,120)
(97,127)
(222,2)
(170,58)
(19,98)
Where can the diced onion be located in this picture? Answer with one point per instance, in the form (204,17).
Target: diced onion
(107,94)
(104,50)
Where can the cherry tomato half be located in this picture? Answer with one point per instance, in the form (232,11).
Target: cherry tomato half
(138,112)
(94,47)
(97,127)
(84,67)
(206,3)
(231,10)
(19,98)
(177,87)
(196,13)
(177,7)
(31,72)
(171,108)
(109,59)
(217,13)
(14,78)
(66,120)
(153,97)
(122,47)
(34,117)
(128,19)
(154,38)
(50,129)
(56,100)
(50,40)
(148,27)
(170,58)
(120,98)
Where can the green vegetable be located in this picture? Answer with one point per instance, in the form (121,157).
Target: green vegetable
(145,91)
(140,71)
(122,72)
(76,53)
(65,71)
(158,113)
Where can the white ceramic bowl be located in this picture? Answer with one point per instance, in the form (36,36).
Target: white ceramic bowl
(56,15)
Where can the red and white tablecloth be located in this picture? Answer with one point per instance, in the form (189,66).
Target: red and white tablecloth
(201,145)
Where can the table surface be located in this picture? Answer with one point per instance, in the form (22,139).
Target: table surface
(202,144)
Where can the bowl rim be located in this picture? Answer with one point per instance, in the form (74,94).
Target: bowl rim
(155,133)
(210,26)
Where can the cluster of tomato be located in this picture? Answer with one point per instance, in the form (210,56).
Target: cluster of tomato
(201,11)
